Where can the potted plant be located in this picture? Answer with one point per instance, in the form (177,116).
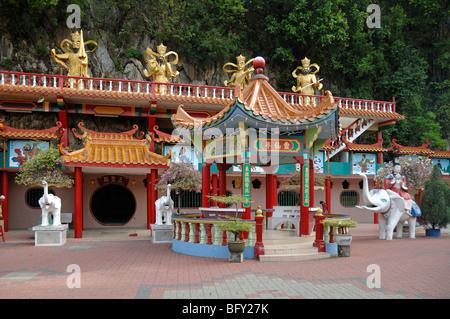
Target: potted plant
(435,204)
(343,239)
(235,226)
(230,199)
(181,177)
(46,165)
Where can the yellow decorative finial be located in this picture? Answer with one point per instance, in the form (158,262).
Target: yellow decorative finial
(259,212)
(319,211)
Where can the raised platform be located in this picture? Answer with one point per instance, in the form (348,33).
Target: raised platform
(161,233)
(50,235)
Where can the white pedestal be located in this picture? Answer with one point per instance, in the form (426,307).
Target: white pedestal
(161,233)
(50,235)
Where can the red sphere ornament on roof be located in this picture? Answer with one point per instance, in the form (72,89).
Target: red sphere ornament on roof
(258,64)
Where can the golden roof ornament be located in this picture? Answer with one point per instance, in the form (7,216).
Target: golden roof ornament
(75,55)
(159,66)
(240,76)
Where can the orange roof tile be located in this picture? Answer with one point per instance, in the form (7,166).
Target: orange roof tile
(421,150)
(109,149)
(46,134)
(370,114)
(376,147)
(260,98)
(164,137)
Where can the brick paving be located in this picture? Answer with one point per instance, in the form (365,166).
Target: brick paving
(135,268)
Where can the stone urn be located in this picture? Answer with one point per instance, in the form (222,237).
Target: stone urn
(236,249)
(343,241)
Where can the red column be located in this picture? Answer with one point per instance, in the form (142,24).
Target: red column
(311,182)
(304,210)
(269,190)
(222,182)
(375,215)
(328,192)
(214,188)
(152,196)
(5,203)
(259,246)
(206,181)
(319,243)
(274,191)
(78,219)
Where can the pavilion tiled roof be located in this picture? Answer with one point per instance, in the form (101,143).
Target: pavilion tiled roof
(46,134)
(261,99)
(419,150)
(112,149)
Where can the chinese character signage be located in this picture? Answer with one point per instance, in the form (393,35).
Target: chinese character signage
(284,146)
(305,175)
(246,172)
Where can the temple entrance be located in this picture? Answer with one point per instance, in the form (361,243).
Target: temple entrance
(113,205)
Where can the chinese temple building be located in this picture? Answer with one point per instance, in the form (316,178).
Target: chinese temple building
(244,139)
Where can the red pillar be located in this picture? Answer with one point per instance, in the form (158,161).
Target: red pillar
(259,246)
(304,210)
(206,181)
(214,188)
(5,203)
(274,191)
(328,192)
(152,196)
(319,243)
(269,189)
(222,182)
(78,219)
(311,182)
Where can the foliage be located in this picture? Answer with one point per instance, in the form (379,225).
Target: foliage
(417,170)
(230,199)
(235,225)
(339,223)
(45,165)
(435,203)
(407,57)
(181,176)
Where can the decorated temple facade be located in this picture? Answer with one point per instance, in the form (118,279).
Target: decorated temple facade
(271,134)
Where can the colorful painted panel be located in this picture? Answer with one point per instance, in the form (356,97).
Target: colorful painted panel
(182,153)
(364,163)
(443,164)
(19,151)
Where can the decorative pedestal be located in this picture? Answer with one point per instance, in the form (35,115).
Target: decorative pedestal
(50,235)
(161,233)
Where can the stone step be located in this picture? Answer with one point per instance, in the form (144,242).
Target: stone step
(283,249)
(294,257)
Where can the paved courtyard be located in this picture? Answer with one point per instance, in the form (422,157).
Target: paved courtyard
(114,265)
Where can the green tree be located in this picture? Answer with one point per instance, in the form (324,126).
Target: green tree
(435,202)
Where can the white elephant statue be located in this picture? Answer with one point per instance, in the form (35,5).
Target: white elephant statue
(164,207)
(50,205)
(391,206)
